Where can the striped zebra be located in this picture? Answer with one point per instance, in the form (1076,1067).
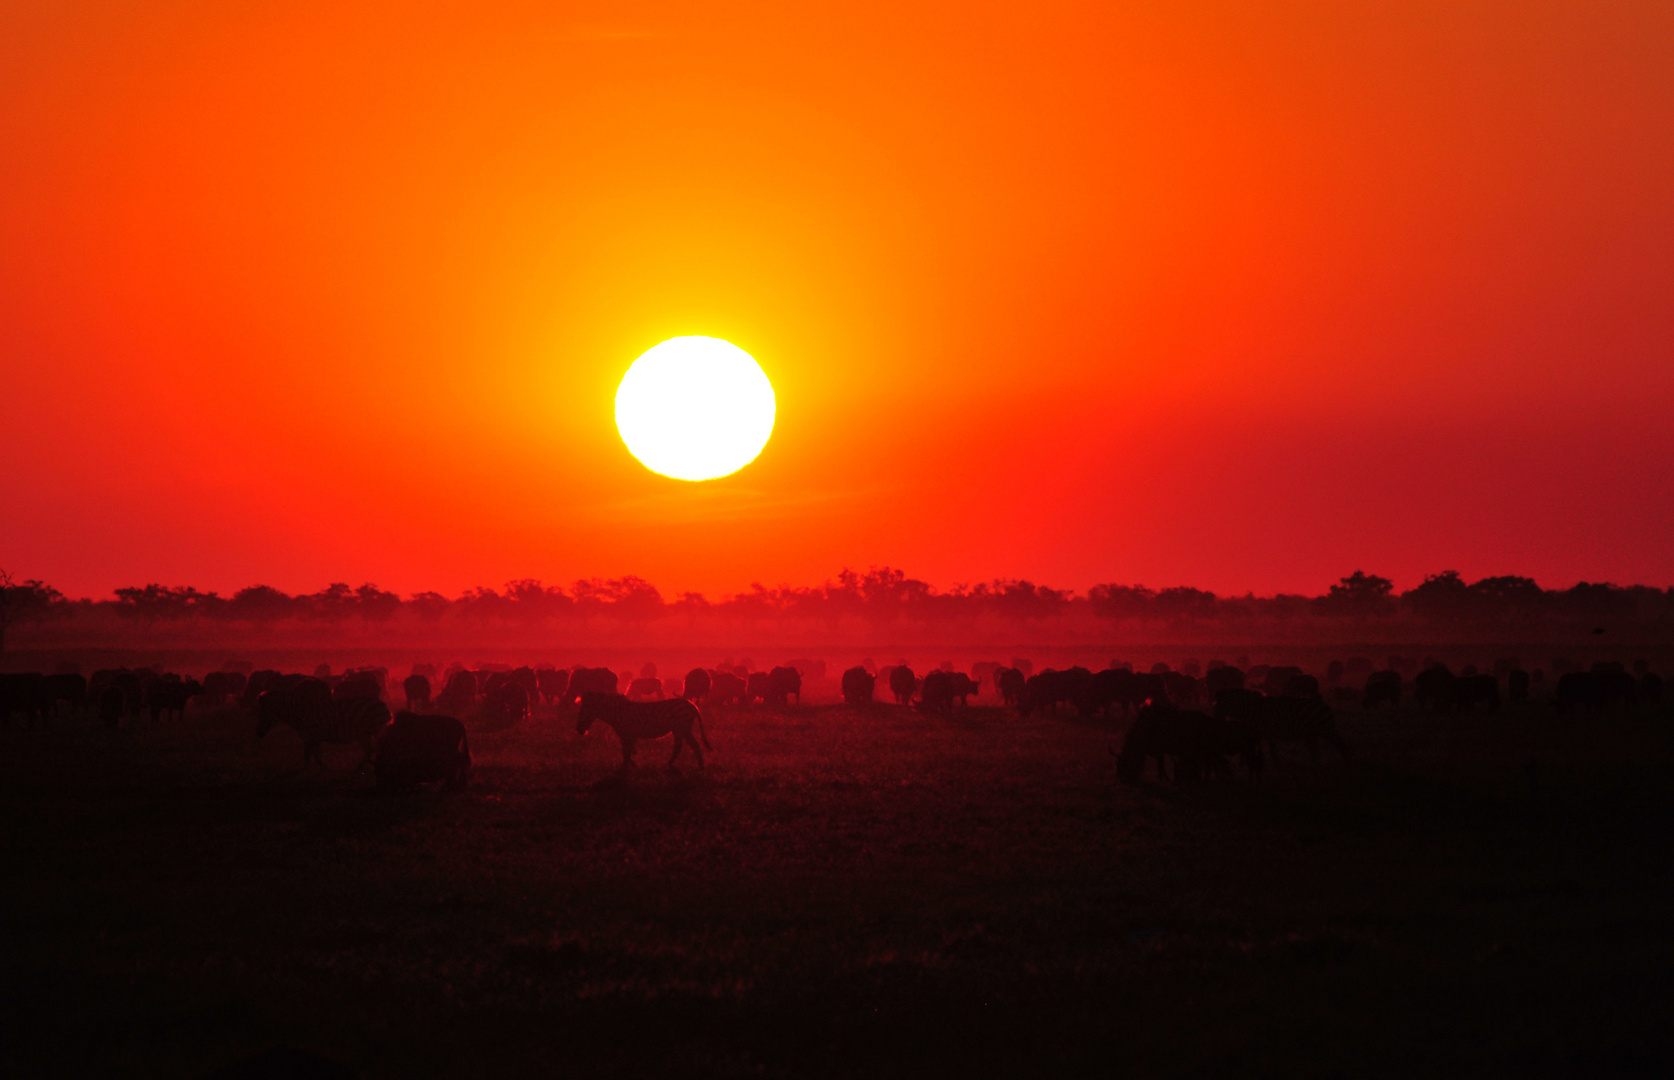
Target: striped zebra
(636,720)
(307,707)
(1278,720)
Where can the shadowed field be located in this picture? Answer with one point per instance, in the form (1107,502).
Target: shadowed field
(845,892)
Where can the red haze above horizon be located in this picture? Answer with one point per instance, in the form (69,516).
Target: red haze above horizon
(1162,293)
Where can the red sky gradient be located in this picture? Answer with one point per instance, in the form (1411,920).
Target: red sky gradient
(1172,293)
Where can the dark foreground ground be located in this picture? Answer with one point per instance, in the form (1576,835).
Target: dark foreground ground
(845,893)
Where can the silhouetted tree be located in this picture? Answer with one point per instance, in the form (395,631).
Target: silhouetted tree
(1441,596)
(1360,595)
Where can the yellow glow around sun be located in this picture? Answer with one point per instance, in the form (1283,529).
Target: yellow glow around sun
(695,408)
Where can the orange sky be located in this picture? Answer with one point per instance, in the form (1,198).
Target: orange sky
(1173,293)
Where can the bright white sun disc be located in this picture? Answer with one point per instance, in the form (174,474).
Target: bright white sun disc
(695,408)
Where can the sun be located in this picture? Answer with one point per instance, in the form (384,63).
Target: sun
(695,408)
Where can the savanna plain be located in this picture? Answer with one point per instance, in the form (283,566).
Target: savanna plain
(845,891)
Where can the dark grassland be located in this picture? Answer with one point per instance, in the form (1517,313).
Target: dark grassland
(845,893)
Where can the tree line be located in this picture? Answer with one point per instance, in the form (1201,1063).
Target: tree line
(881,594)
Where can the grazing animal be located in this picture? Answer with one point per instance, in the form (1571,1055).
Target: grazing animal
(1044,691)
(697,685)
(728,689)
(857,686)
(459,693)
(505,705)
(636,720)
(1301,686)
(1222,678)
(420,750)
(220,685)
(643,688)
(1517,686)
(963,687)
(1280,720)
(525,677)
(24,692)
(1181,689)
(1105,689)
(1468,690)
(306,706)
(417,689)
(1198,743)
(170,695)
(758,687)
(67,687)
(1650,688)
(1382,686)
(550,684)
(589,681)
(1275,680)
(936,693)
(903,684)
(784,683)
(1009,683)
(360,684)
(256,685)
(1434,687)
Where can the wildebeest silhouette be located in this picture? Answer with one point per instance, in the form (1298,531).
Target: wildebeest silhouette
(963,686)
(218,686)
(1301,686)
(936,693)
(758,687)
(67,687)
(649,687)
(1434,687)
(1471,690)
(505,705)
(1382,686)
(857,686)
(359,684)
(459,695)
(697,685)
(1650,688)
(259,682)
(1009,683)
(550,684)
(1517,686)
(24,692)
(1180,688)
(1221,678)
(420,750)
(903,684)
(1045,690)
(784,683)
(306,706)
(1105,689)
(417,689)
(728,689)
(170,694)
(636,720)
(1198,743)
(589,681)
(1281,720)
(1276,679)
(1594,689)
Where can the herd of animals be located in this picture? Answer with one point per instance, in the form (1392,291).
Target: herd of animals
(1196,725)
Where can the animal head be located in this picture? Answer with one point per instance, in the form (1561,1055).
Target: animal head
(592,708)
